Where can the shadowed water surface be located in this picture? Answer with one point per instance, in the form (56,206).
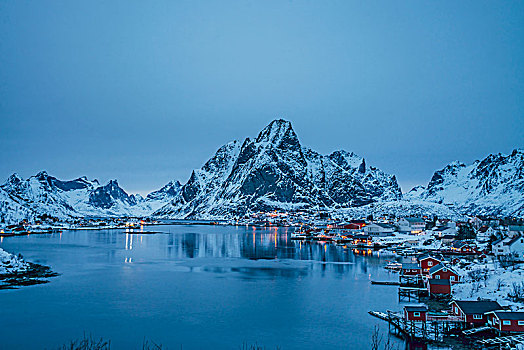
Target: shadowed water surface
(197,286)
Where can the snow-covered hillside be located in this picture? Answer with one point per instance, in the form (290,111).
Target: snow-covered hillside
(274,171)
(43,194)
(492,186)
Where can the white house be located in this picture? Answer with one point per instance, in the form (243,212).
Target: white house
(412,225)
(444,230)
(484,233)
(509,246)
(379,229)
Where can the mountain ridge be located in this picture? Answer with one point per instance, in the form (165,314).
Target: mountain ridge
(274,171)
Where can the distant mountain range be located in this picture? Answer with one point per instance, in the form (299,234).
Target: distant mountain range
(43,194)
(492,186)
(275,172)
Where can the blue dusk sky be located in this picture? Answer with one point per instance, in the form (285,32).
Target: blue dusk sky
(146,91)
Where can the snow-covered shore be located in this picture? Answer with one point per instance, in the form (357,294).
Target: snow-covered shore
(16,272)
(10,263)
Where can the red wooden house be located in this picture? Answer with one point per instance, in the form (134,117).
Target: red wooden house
(350,227)
(443,272)
(506,321)
(427,261)
(474,312)
(359,223)
(440,287)
(415,313)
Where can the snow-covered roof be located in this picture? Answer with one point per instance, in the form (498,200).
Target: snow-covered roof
(439,267)
(470,307)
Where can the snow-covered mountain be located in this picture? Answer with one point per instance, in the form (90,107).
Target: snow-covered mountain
(274,171)
(44,194)
(492,186)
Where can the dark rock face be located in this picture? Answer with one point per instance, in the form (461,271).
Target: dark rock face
(274,171)
(171,189)
(105,196)
(437,180)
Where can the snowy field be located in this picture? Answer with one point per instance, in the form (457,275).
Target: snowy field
(491,281)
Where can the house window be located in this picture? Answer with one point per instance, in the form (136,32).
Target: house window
(416,314)
(437,277)
(477,317)
(521,323)
(451,278)
(430,263)
(506,323)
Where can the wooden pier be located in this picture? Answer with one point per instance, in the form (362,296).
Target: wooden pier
(433,329)
(500,341)
(410,280)
(408,293)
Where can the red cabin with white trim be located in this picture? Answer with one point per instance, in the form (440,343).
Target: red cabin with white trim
(443,272)
(415,313)
(506,321)
(474,312)
(426,262)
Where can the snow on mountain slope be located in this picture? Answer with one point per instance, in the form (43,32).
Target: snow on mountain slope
(11,210)
(43,194)
(274,171)
(492,186)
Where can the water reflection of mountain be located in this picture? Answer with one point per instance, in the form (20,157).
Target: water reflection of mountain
(266,244)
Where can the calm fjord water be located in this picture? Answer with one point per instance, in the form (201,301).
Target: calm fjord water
(202,287)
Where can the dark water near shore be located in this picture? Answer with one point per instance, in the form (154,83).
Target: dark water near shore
(199,287)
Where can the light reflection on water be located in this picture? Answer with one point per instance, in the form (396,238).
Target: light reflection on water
(196,286)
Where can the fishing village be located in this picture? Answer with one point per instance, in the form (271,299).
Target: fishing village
(459,281)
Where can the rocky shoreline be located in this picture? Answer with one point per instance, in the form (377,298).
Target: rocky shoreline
(15,272)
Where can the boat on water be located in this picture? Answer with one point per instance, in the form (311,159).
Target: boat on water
(393,265)
(300,236)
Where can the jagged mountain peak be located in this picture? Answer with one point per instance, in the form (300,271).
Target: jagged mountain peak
(275,171)
(275,130)
(14,180)
(45,194)
(107,196)
(279,134)
(518,151)
(113,184)
(167,192)
(492,186)
(42,175)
